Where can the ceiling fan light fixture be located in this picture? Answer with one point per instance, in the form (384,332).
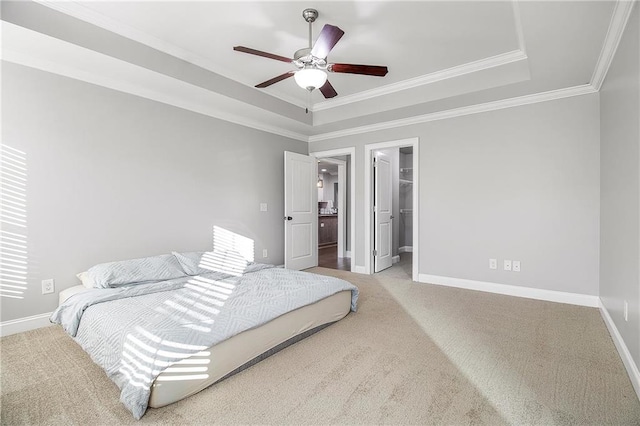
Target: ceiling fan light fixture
(310,78)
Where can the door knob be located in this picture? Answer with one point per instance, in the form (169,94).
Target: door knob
(288,218)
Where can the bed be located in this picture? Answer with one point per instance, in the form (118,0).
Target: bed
(162,341)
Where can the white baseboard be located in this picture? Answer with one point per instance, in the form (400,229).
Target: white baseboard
(623,350)
(512,290)
(24,324)
(358,269)
(405,249)
(395,259)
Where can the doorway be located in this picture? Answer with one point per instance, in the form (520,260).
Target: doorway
(336,198)
(391,197)
(332,213)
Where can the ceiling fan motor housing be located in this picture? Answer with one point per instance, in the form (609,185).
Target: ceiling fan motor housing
(310,15)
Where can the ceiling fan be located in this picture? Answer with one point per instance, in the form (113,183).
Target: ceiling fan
(311,62)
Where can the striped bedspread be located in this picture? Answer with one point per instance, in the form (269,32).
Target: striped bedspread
(134,333)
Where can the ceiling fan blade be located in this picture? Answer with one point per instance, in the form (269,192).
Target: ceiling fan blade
(328,38)
(374,70)
(328,91)
(261,53)
(275,80)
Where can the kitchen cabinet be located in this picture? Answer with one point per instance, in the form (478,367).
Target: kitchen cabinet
(327,229)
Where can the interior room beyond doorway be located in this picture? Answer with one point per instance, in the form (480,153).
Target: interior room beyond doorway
(332,213)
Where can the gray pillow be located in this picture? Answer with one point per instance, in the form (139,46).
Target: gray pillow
(135,271)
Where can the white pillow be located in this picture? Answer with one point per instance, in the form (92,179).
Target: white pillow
(86,280)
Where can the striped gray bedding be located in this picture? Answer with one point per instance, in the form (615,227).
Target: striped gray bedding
(136,332)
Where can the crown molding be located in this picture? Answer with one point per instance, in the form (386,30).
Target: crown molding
(83,13)
(459,112)
(86,14)
(619,19)
(518,23)
(471,67)
(20,58)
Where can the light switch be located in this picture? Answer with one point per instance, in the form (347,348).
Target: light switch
(263,207)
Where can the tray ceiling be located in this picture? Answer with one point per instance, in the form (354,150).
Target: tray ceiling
(440,55)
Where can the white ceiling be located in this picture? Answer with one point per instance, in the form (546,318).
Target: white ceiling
(440,55)
(411,38)
(329,168)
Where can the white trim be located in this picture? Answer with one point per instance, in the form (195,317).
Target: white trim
(623,350)
(358,269)
(518,23)
(347,253)
(619,19)
(405,249)
(513,290)
(458,112)
(412,83)
(351,152)
(24,324)
(136,90)
(341,211)
(368,205)
(395,259)
(93,17)
(83,13)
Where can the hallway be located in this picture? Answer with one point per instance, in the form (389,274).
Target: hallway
(328,258)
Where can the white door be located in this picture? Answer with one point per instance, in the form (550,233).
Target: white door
(382,208)
(300,211)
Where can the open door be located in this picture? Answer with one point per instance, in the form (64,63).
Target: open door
(382,211)
(300,211)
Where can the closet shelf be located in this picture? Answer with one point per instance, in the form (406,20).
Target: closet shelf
(406,182)
(405,211)
(405,169)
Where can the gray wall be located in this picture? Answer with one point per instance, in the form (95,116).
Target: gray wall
(326,193)
(112,176)
(519,183)
(620,187)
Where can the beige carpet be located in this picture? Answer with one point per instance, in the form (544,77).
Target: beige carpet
(412,354)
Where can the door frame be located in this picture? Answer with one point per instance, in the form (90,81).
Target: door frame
(368,200)
(351,152)
(341,211)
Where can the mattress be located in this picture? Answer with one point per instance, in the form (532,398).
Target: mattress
(197,372)
(193,374)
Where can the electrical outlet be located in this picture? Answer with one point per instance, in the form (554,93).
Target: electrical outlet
(48,286)
(507,265)
(626,311)
(493,263)
(516,266)
(264,253)
(263,207)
